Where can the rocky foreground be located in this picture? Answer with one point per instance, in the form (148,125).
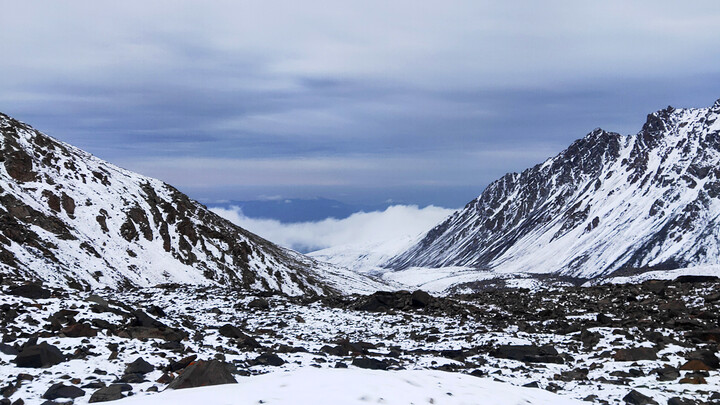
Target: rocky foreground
(640,344)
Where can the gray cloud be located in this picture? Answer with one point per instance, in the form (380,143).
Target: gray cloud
(230,96)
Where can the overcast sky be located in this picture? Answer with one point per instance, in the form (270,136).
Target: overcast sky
(414,101)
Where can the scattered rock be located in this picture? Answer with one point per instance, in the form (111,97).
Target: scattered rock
(109,393)
(79,330)
(370,363)
(268,359)
(32,291)
(695,365)
(41,355)
(61,390)
(635,354)
(139,366)
(636,398)
(420,299)
(204,373)
(259,303)
(528,353)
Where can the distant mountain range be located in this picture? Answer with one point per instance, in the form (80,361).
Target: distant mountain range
(71,219)
(608,204)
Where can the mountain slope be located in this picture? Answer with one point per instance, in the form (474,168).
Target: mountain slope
(70,218)
(608,202)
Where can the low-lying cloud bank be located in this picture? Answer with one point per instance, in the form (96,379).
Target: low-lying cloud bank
(395,222)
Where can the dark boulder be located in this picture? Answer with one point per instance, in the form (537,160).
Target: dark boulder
(110,393)
(9,350)
(635,354)
(370,363)
(243,340)
(181,364)
(707,357)
(139,366)
(695,365)
(204,373)
(32,291)
(61,390)
(707,335)
(41,355)
(420,299)
(79,330)
(268,359)
(132,378)
(603,319)
(384,301)
(528,353)
(667,373)
(259,303)
(681,401)
(636,398)
(696,279)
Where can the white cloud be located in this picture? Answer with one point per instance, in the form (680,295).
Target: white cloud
(396,222)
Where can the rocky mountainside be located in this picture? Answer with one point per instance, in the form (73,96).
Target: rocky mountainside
(69,218)
(606,203)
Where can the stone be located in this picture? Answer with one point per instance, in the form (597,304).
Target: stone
(259,303)
(370,363)
(636,398)
(61,390)
(681,401)
(420,299)
(693,380)
(79,330)
(139,366)
(110,393)
(9,350)
(695,365)
(242,340)
(41,355)
(182,363)
(98,300)
(32,291)
(635,354)
(204,373)
(268,359)
(696,279)
(528,353)
(667,373)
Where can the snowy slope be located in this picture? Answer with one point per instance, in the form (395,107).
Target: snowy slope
(357,386)
(365,257)
(608,202)
(70,218)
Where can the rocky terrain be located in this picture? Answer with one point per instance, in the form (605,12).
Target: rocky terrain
(655,341)
(607,203)
(69,218)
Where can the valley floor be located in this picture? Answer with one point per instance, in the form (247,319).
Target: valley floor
(604,344)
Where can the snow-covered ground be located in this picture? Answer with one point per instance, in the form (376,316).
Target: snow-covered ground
(319,336)
(314,386)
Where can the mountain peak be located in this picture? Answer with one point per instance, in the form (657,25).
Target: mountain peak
(69,218)
(607,202)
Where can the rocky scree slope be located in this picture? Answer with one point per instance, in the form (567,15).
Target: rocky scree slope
(606,203)
(69,218)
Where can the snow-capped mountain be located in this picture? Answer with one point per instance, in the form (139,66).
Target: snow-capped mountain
(606,203)
(72,219)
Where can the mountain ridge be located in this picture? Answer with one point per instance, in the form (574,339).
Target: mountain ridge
(558,216)
(73,219)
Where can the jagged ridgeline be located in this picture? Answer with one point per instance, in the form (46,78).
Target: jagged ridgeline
(607,203)
(70,218)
